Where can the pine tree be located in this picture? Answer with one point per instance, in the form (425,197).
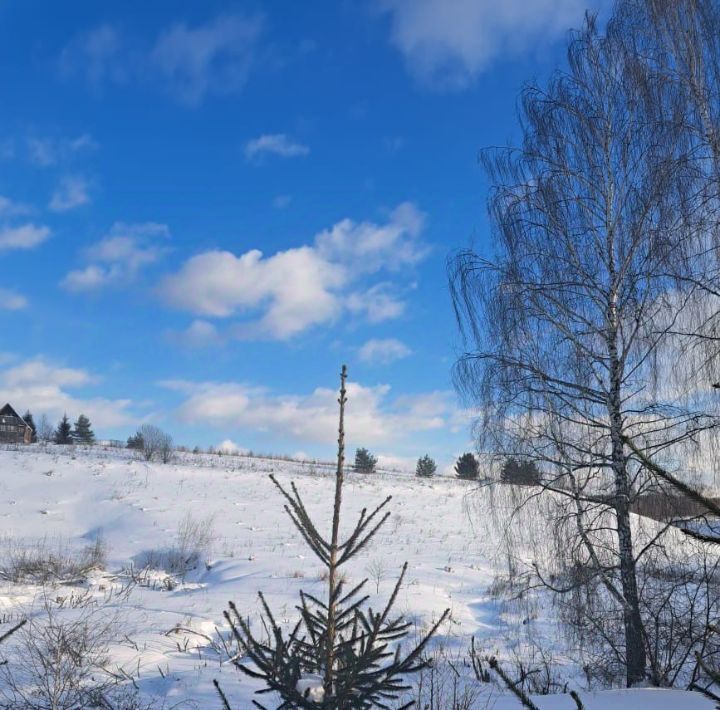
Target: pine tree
(426,467)
(338,655)
(365,462)
(467,467)
(520,473)
(63,433)
(136,442)
(82,431)
(28,419)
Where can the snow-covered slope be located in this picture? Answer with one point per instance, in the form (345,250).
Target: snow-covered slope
(171,629)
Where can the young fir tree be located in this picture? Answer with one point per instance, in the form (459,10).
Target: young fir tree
(426,467)
(520,473)
(82,431)
(365,462)
(28,419)
(136,442)
(467,467)
(338,656)
(63,433)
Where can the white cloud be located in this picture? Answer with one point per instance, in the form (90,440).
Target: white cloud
(43,388)
(373,417)
(12,301)
(199,334)
(447,43)
(377,304)
(301,287)
(274,144)
(118,257)
(72,192)
(26,236)
(383,351)
(214,57)
(228,446)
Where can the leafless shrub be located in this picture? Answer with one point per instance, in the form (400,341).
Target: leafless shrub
(61,662)
(191,548)
(41,562)
(156,443)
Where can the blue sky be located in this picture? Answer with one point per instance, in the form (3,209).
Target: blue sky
(205,208)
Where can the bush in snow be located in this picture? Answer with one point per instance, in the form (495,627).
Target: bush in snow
(155,443)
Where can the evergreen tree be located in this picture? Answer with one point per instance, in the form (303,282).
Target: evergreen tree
(365,462)
(520,473)
(340,654)
(136,442)
(63,433)
(82,431)
(467,467)
(28,419)
(426,467)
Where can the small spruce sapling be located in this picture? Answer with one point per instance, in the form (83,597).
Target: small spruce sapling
(63,433)
(365,462)
(467,467)
(82,431)
(339,655)
(426,467)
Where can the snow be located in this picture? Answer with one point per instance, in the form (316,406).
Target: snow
(172,628)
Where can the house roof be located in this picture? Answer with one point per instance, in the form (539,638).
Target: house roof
(8,411)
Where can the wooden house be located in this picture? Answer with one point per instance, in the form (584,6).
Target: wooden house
(13,429)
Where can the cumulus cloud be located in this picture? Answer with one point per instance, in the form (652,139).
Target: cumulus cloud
(228,446)
(376,304)
(190,61)
(12,301)
(42,387)
(119,257)
(72,192)
(26,236)
(447,43)
(383,351)
(375,418)
(292,290)
(199,334)
(274,144)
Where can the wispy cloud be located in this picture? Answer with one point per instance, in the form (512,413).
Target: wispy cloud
(383,351)
(47,151)
(448,43)
(9,208)
(190,61)
(25,236)
(274,144)
(12,301)
(73,191)
(293,290)
(119,257)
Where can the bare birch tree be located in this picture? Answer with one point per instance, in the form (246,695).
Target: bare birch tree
(566,325)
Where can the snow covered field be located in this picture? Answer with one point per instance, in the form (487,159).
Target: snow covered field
(168,630)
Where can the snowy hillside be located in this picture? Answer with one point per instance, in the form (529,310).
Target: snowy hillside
(221,516)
